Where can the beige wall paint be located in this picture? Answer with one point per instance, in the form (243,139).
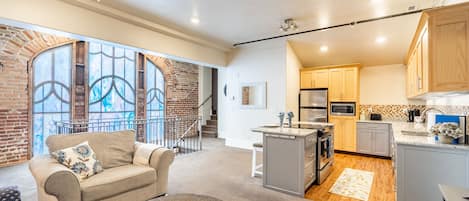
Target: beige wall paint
(64,17)
(384,85)
(293,66)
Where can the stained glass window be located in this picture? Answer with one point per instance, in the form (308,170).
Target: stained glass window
(155,102)
(51,93)
(111,82)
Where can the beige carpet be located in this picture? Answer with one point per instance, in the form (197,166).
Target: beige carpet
(217,171)
(353,183)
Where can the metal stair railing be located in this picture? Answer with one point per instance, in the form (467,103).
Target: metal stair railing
(181,134)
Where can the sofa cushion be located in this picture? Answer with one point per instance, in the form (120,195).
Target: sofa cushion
(113,149)
(81,159)
(116,180)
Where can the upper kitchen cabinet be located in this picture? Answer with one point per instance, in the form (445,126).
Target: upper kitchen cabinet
(306,80)
(438,60)
(311,79)
(341,80)
(343,84)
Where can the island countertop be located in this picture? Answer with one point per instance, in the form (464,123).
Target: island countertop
(298,132)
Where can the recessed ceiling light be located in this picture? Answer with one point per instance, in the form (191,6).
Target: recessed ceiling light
(381,39)
(195,20)
(376,1)
(324,48)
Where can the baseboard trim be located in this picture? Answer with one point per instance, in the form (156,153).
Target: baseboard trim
(243,144)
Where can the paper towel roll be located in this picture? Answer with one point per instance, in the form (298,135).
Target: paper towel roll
(431,119)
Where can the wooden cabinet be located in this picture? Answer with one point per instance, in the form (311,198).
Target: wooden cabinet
(320,78)
(306,80)
(373,138)
(343,84)
(350,84)
(336,84)
(314,79)
(344,133)
(438,59)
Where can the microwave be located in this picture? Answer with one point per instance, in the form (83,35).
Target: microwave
(343,109)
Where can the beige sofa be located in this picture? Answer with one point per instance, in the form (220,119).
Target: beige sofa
(125,176)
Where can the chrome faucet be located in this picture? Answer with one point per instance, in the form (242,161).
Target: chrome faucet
(290,117)
(424,112)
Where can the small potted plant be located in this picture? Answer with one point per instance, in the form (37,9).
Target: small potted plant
(448,133)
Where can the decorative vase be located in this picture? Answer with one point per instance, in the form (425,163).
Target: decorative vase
(445,139)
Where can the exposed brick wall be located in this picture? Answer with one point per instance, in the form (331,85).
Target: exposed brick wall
(182,87)
(17,48)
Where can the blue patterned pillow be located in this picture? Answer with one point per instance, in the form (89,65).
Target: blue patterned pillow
(10,193)
(81,159)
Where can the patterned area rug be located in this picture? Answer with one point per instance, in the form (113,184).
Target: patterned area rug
(353,183)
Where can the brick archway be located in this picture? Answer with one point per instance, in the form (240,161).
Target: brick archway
(17,48)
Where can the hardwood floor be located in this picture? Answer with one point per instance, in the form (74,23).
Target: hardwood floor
(383,181)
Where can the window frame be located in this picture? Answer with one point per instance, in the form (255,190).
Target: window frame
(32,89)
(112,76)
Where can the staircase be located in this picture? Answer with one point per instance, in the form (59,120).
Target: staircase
(210,129)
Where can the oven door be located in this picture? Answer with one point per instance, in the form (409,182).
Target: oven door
(325,150)
(343,109)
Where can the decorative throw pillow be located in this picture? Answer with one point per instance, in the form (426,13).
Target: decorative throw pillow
(81,159)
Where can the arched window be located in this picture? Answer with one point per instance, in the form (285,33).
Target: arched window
(111,82)
(51,93)
(155,105)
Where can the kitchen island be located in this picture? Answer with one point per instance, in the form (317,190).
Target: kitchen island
(290,157)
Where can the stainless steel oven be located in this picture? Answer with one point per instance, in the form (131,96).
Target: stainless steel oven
(343,109)
(325,153)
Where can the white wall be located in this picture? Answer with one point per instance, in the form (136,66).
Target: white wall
(205,90)
(384,85)
(293,67)
(79,22)
(260,62)
(462,99)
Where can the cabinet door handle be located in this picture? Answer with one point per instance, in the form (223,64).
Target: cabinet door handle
(419,82)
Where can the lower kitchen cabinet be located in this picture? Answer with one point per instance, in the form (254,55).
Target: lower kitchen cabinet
(344,133)
(373,138)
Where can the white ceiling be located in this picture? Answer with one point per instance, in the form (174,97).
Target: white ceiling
(226,22)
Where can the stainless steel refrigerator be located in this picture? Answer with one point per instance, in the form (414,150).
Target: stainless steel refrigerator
(313,105)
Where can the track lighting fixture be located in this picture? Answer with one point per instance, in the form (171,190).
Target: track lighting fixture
(289,25)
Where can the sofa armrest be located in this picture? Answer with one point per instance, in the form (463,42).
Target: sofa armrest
(143,153)
(55,179)
(157,157)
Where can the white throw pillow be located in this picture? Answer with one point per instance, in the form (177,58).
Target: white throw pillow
(81,159)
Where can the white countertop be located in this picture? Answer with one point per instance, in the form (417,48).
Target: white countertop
(298,132)
(453,193)
(415,140)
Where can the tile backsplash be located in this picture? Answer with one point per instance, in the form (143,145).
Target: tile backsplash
(390,112)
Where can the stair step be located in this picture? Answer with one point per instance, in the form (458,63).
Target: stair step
(210,134)
(212,122)
(213,117)
(209,127)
